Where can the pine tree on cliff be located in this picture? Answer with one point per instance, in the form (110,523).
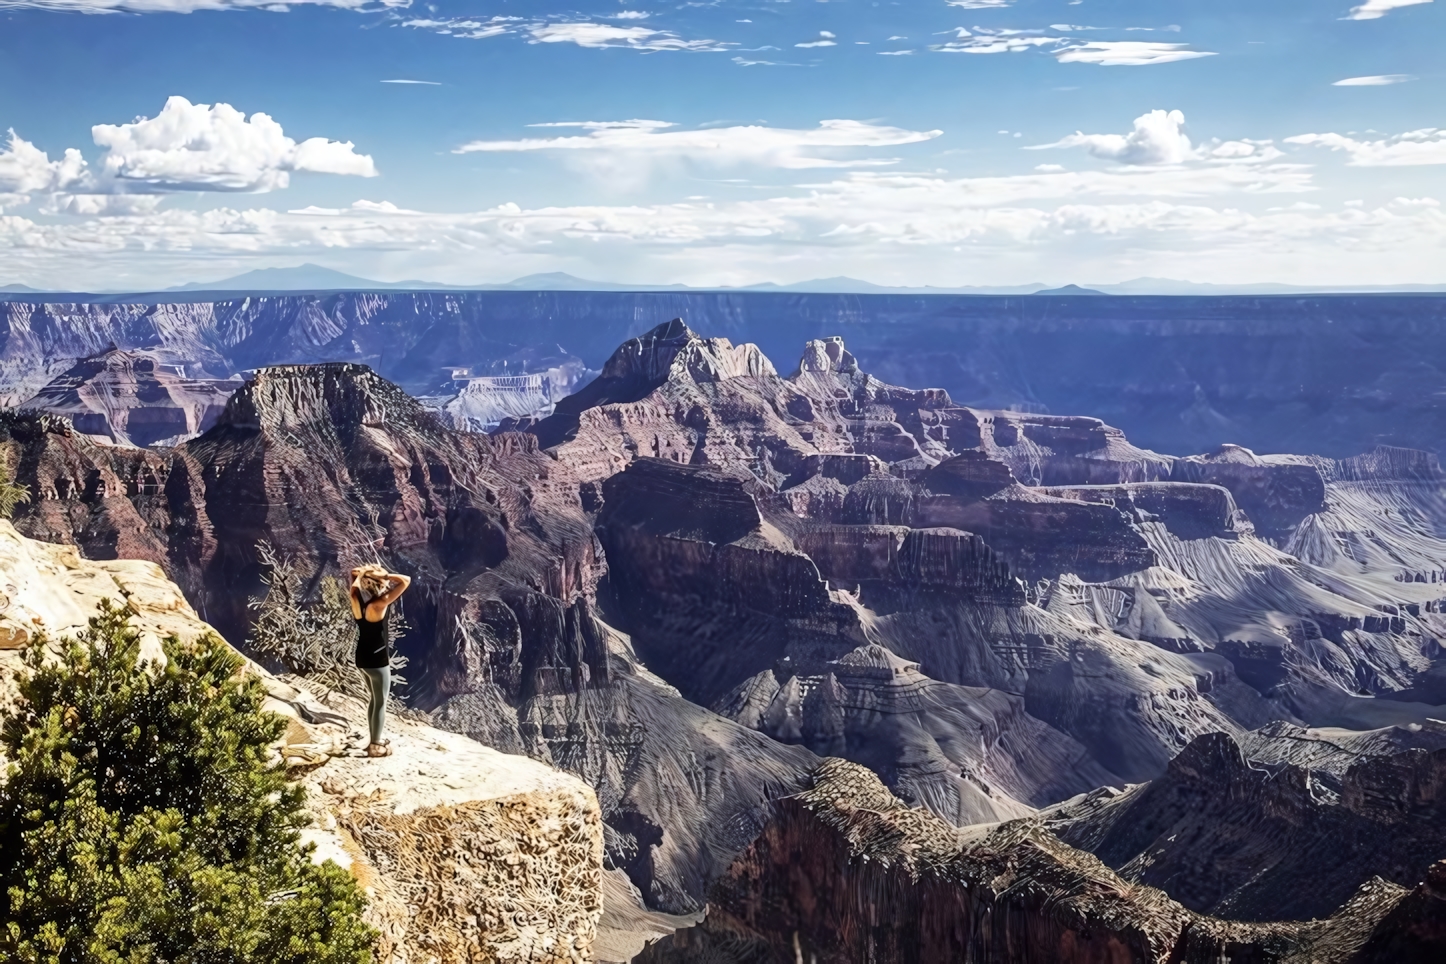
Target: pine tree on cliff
(142,823)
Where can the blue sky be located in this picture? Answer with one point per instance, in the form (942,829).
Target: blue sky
(979,142)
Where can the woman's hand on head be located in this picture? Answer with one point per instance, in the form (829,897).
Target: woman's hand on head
(396,585)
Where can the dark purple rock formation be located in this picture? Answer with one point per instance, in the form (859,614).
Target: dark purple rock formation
(135,398)
(1276,495)
(1269,839)
(844,873)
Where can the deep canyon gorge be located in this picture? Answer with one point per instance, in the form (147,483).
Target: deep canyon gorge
(1118,639)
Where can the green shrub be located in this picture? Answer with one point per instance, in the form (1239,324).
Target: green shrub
(12,495)
(142,821)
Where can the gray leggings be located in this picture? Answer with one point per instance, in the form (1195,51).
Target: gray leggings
(379,684)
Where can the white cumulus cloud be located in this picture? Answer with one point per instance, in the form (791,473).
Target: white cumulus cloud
(25,169)
(767,146)
(1158,138)
(1376,9)
(200,147)
(1414,148)
(1127,53)
(185,148)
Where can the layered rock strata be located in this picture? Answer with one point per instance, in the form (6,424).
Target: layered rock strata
(135,398)
(834,564)
(1178,374)
(1269,839)
(335,466)
(846,873)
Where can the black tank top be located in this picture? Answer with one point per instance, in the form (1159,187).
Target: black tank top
(372,649)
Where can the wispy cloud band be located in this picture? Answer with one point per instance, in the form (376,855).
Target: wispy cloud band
(797,149)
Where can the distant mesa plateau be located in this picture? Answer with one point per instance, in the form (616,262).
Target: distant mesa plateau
(1123,642)
(1331,375)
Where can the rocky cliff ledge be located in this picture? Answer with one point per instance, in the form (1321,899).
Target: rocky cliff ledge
(468,855)
(845,872)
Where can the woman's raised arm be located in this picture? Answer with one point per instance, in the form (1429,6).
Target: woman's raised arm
(399,584)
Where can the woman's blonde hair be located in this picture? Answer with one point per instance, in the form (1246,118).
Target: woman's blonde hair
(373,580)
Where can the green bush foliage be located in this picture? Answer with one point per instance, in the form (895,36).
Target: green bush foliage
(142,821)
(12,495)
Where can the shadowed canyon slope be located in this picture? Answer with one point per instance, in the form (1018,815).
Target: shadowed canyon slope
(699,575)
(846,873)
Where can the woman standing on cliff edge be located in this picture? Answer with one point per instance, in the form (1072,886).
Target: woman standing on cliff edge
(373,589)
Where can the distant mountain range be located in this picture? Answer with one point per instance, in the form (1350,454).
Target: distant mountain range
(313,277)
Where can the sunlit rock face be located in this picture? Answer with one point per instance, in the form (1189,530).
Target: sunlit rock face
(135,398)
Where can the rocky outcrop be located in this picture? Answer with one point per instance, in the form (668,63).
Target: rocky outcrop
(1067,450)
(970,754)
(1414,932)
(464,853)
(51,590)
(135,398)
(1275,494)
(712,593)
(499,395)
(845,872)
(1041,536)
(1388,463)
(1187,510)
(1269,839)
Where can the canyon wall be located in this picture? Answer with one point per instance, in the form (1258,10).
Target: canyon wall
(1333,375)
